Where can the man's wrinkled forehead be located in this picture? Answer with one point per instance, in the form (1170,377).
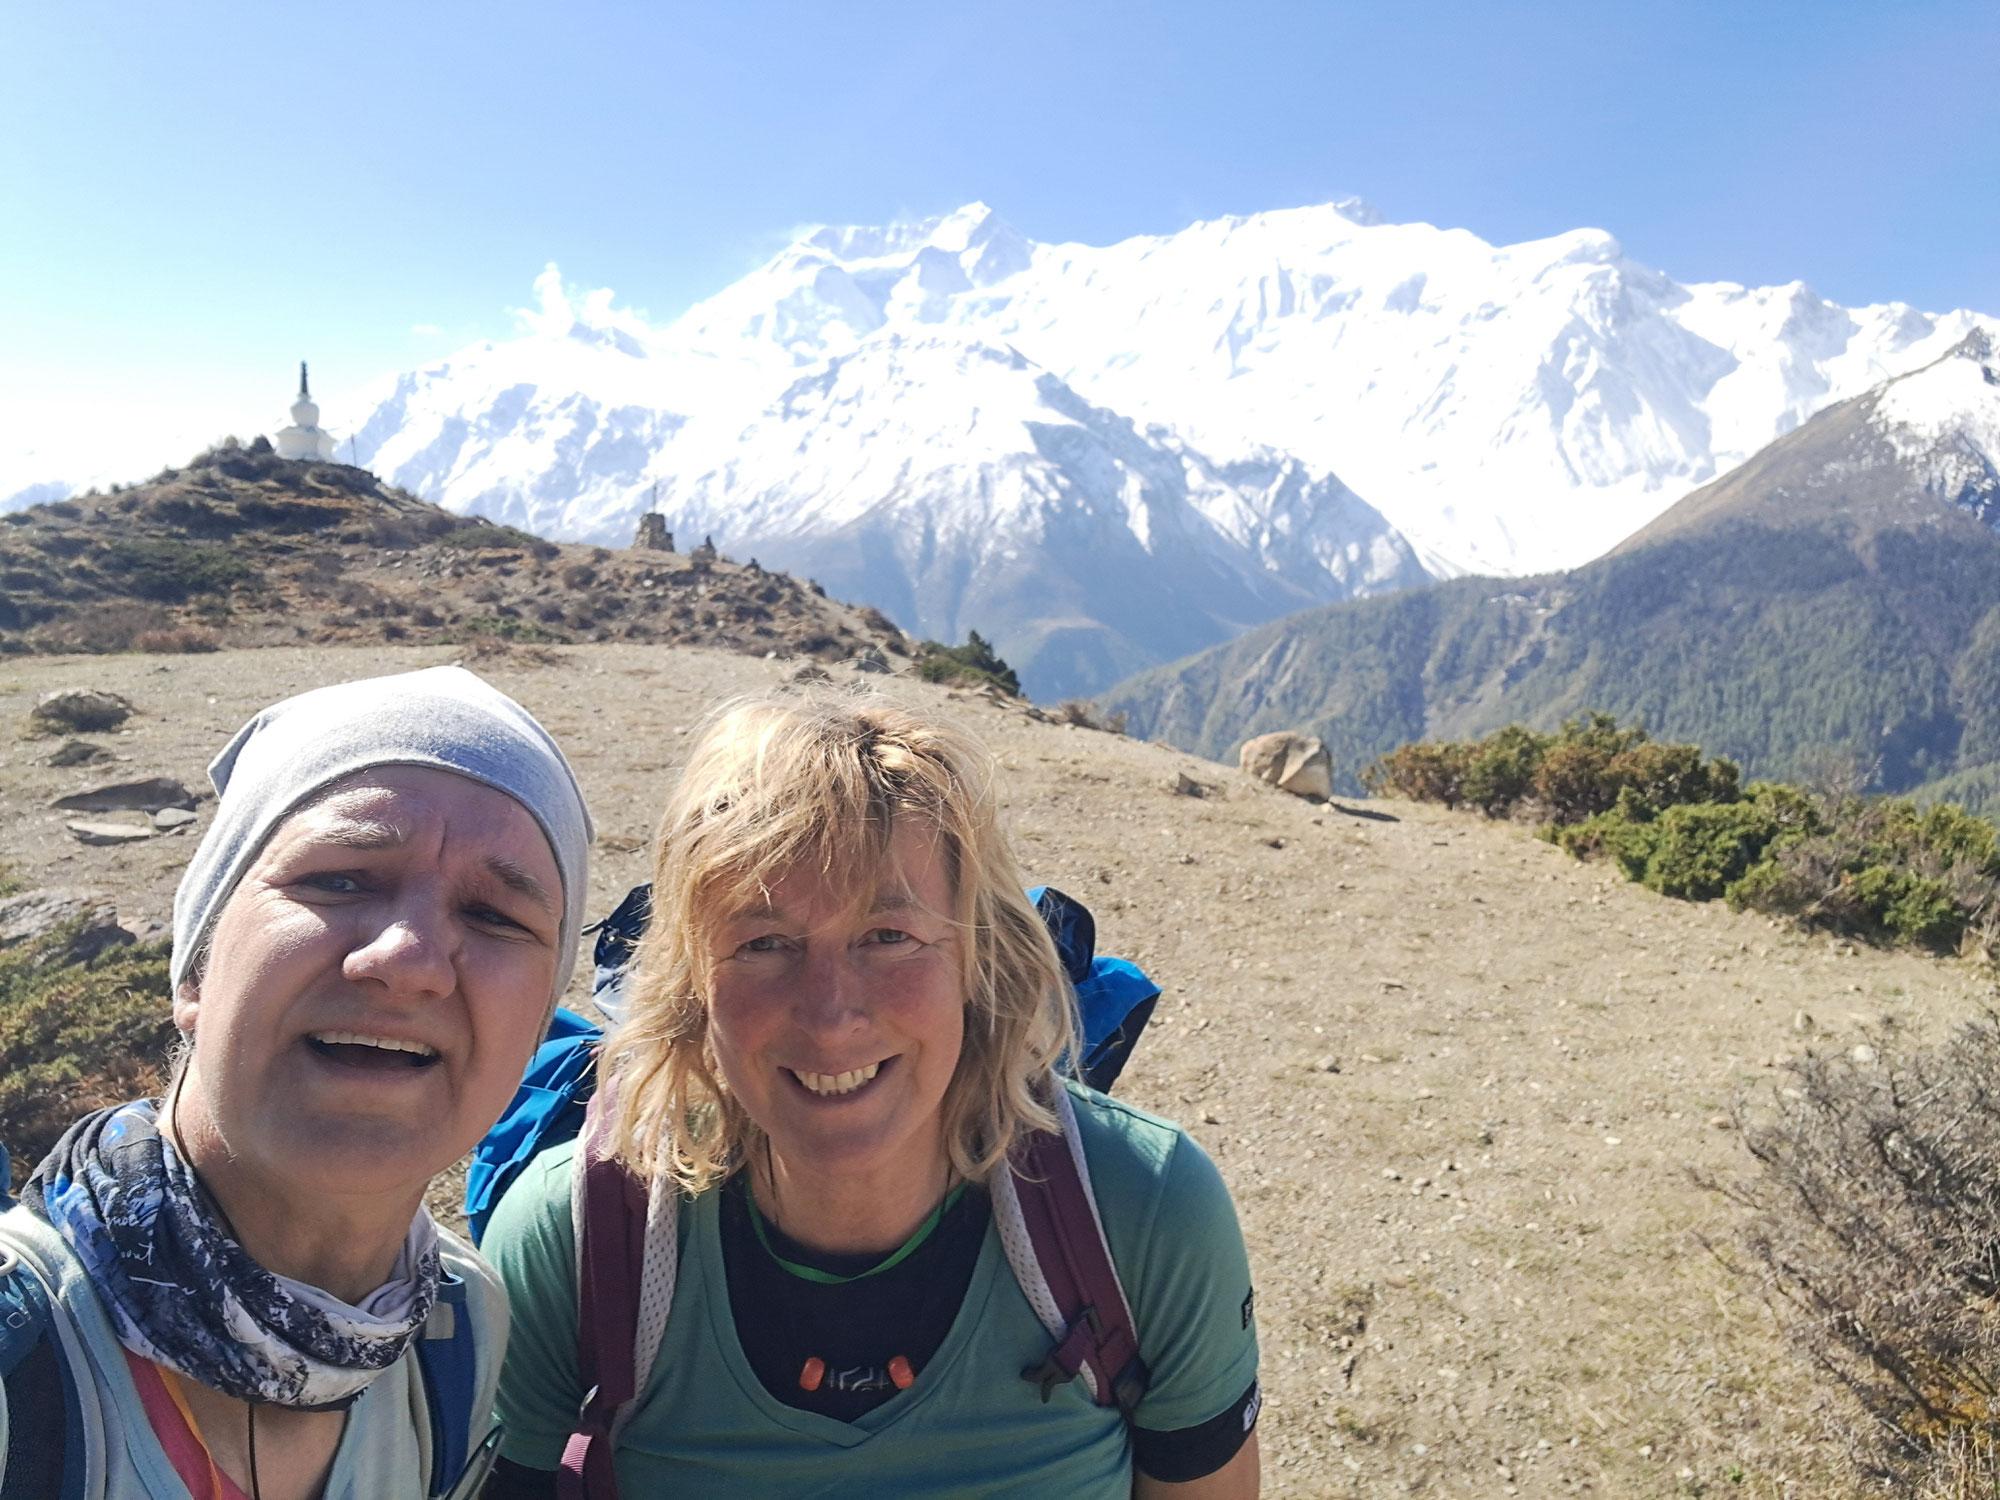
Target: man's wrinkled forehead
(372,817)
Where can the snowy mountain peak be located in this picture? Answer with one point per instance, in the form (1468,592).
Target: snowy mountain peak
(1943,421)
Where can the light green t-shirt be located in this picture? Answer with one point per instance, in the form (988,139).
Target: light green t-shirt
(970,1424)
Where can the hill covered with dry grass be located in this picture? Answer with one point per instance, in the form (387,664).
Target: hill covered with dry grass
(243,548)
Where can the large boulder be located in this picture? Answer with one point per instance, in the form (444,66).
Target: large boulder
(79,711)
(1295,763)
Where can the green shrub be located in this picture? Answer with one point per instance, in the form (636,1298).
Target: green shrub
(1566,778)
(1500,770)
(76,1036)
(1884,870)
(975,661)
(173,571)
(480,535)
(510,628)
(1423,772)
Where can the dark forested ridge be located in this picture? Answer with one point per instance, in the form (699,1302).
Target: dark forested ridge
(1825,603)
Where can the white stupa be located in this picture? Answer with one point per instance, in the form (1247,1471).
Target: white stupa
(304,438)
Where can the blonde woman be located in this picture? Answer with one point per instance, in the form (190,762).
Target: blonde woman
(846,1014)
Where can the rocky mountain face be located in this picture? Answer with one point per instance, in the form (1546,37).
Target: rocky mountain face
(1835,599)
(243,548)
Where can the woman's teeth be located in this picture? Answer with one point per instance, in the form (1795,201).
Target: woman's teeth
(380,1043)
(828,1084)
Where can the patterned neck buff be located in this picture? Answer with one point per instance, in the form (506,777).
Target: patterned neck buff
(183,1294)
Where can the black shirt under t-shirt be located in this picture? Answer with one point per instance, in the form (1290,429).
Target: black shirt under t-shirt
(854,1327)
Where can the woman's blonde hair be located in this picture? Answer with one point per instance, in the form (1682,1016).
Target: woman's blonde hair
(820,781)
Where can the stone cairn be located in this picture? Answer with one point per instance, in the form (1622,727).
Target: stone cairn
(653,534)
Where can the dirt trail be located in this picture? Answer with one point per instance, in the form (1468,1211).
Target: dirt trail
(1476,1242)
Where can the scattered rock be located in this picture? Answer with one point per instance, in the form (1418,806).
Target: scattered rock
(167,819)
(1295,763)
(147,796)
(1863,1054)
(812,671)
(33,913)
(1327,1065)
(108,833)
(78,753)
(1184,785)
(79,711)
(1801,1021)
(870,660)
(1721,1122)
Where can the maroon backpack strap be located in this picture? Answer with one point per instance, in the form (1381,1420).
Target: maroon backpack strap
(1054,1239)
(608,1205)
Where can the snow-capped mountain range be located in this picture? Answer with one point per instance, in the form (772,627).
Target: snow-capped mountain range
(1106,456)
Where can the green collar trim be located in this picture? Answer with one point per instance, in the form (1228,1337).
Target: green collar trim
(826,1278)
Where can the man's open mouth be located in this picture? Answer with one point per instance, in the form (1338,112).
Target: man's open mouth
(354,1049)
(831,1085)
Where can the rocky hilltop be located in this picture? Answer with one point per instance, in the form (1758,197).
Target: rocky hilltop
(244,548)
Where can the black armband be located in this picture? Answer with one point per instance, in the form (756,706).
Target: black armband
(1196,1452)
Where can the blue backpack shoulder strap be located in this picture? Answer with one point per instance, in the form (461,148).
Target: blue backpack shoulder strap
(44,1457)
(546,1110)
(448,1357)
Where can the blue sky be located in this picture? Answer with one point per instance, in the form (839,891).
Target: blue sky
(193,196)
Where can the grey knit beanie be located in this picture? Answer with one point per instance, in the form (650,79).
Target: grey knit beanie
(443,717)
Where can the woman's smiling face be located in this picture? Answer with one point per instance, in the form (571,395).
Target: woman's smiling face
(837,1022)
(377,981)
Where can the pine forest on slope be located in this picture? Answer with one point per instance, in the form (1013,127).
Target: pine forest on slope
(1105,457)
(1834,600)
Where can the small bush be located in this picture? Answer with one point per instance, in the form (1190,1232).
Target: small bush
(104,628)
(1423,772)
(180,639)
(76,1036)
(510,628)
(1876,1229)
(577,575)
(480,535)
(1083,713)
(975,661)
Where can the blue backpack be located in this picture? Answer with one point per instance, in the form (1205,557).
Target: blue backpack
(1114,999)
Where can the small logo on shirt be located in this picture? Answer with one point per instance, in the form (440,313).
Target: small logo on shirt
(1255,1405)
(1249,1306)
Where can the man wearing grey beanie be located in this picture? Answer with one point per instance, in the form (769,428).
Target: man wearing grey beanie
(242,1281)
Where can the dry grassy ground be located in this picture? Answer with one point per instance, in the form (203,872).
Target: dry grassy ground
(1476,1243)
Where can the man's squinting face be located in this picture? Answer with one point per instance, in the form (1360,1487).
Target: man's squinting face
(838,1025)
(377,981)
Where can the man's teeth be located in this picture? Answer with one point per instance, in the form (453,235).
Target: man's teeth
(837,1083)
(385,1043)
